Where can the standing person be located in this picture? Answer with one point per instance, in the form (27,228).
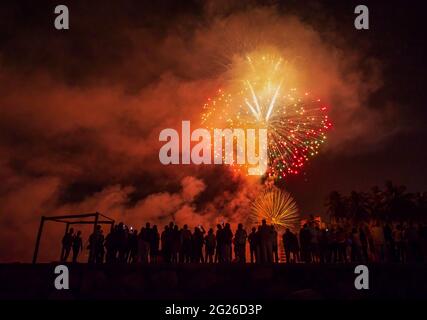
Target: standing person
(109,257)
(198,244)
(305,241)
(356,246)
(143,246)
(77,245)
(228,240)
(126,246)
(258,250)
(154,244)
(275,246)
(147,240)
(210,244)
(176,245)
(240,243)
(67,242)
(314,246)
(390,252)
(120,242)
(378,241)
(400,244)
(295,248)
(252,244)
(133,246)
(164,241)
(266,242)
(341,245)
(413,243)
(287,244)
(94,246)
(363,243)
(186,240)
(100,252)
(220,247)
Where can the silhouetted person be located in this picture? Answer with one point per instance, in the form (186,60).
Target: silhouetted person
(342,245)
(266,242)
(228,240)
(400,244)
(287,244)
(323,246)
(133,246)
(378,241)
(165,244)
(198,244)
(142,250)
(154,244)
(110,245)
(364,243)
(220,244)
(100,247)
(186,244)
(275,246)
(252,244)
(305,241)
(77,245)
(258,253)
(356,246)
(67,242)
(412,238)
(210,244)
(240,244)
(176,245)
(390,252)
(314,244)
(121,242)
(96,246)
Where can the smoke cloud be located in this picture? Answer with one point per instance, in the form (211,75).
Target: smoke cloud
(81,115)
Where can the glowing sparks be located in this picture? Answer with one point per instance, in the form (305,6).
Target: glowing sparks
(277,207)
(260,97)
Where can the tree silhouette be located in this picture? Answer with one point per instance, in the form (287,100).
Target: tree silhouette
(336,206)
(393,203)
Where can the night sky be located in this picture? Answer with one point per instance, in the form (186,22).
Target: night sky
(81,109)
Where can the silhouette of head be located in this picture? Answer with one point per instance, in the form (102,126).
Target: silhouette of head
(71,231)
(264,222)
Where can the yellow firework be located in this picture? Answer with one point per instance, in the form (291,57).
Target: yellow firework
(277,207)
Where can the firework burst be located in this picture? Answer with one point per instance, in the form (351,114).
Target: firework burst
(260,96)
(277,207)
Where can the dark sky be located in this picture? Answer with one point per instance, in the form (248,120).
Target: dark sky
(81,109)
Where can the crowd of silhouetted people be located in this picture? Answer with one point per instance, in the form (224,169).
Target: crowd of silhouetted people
(344,242)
